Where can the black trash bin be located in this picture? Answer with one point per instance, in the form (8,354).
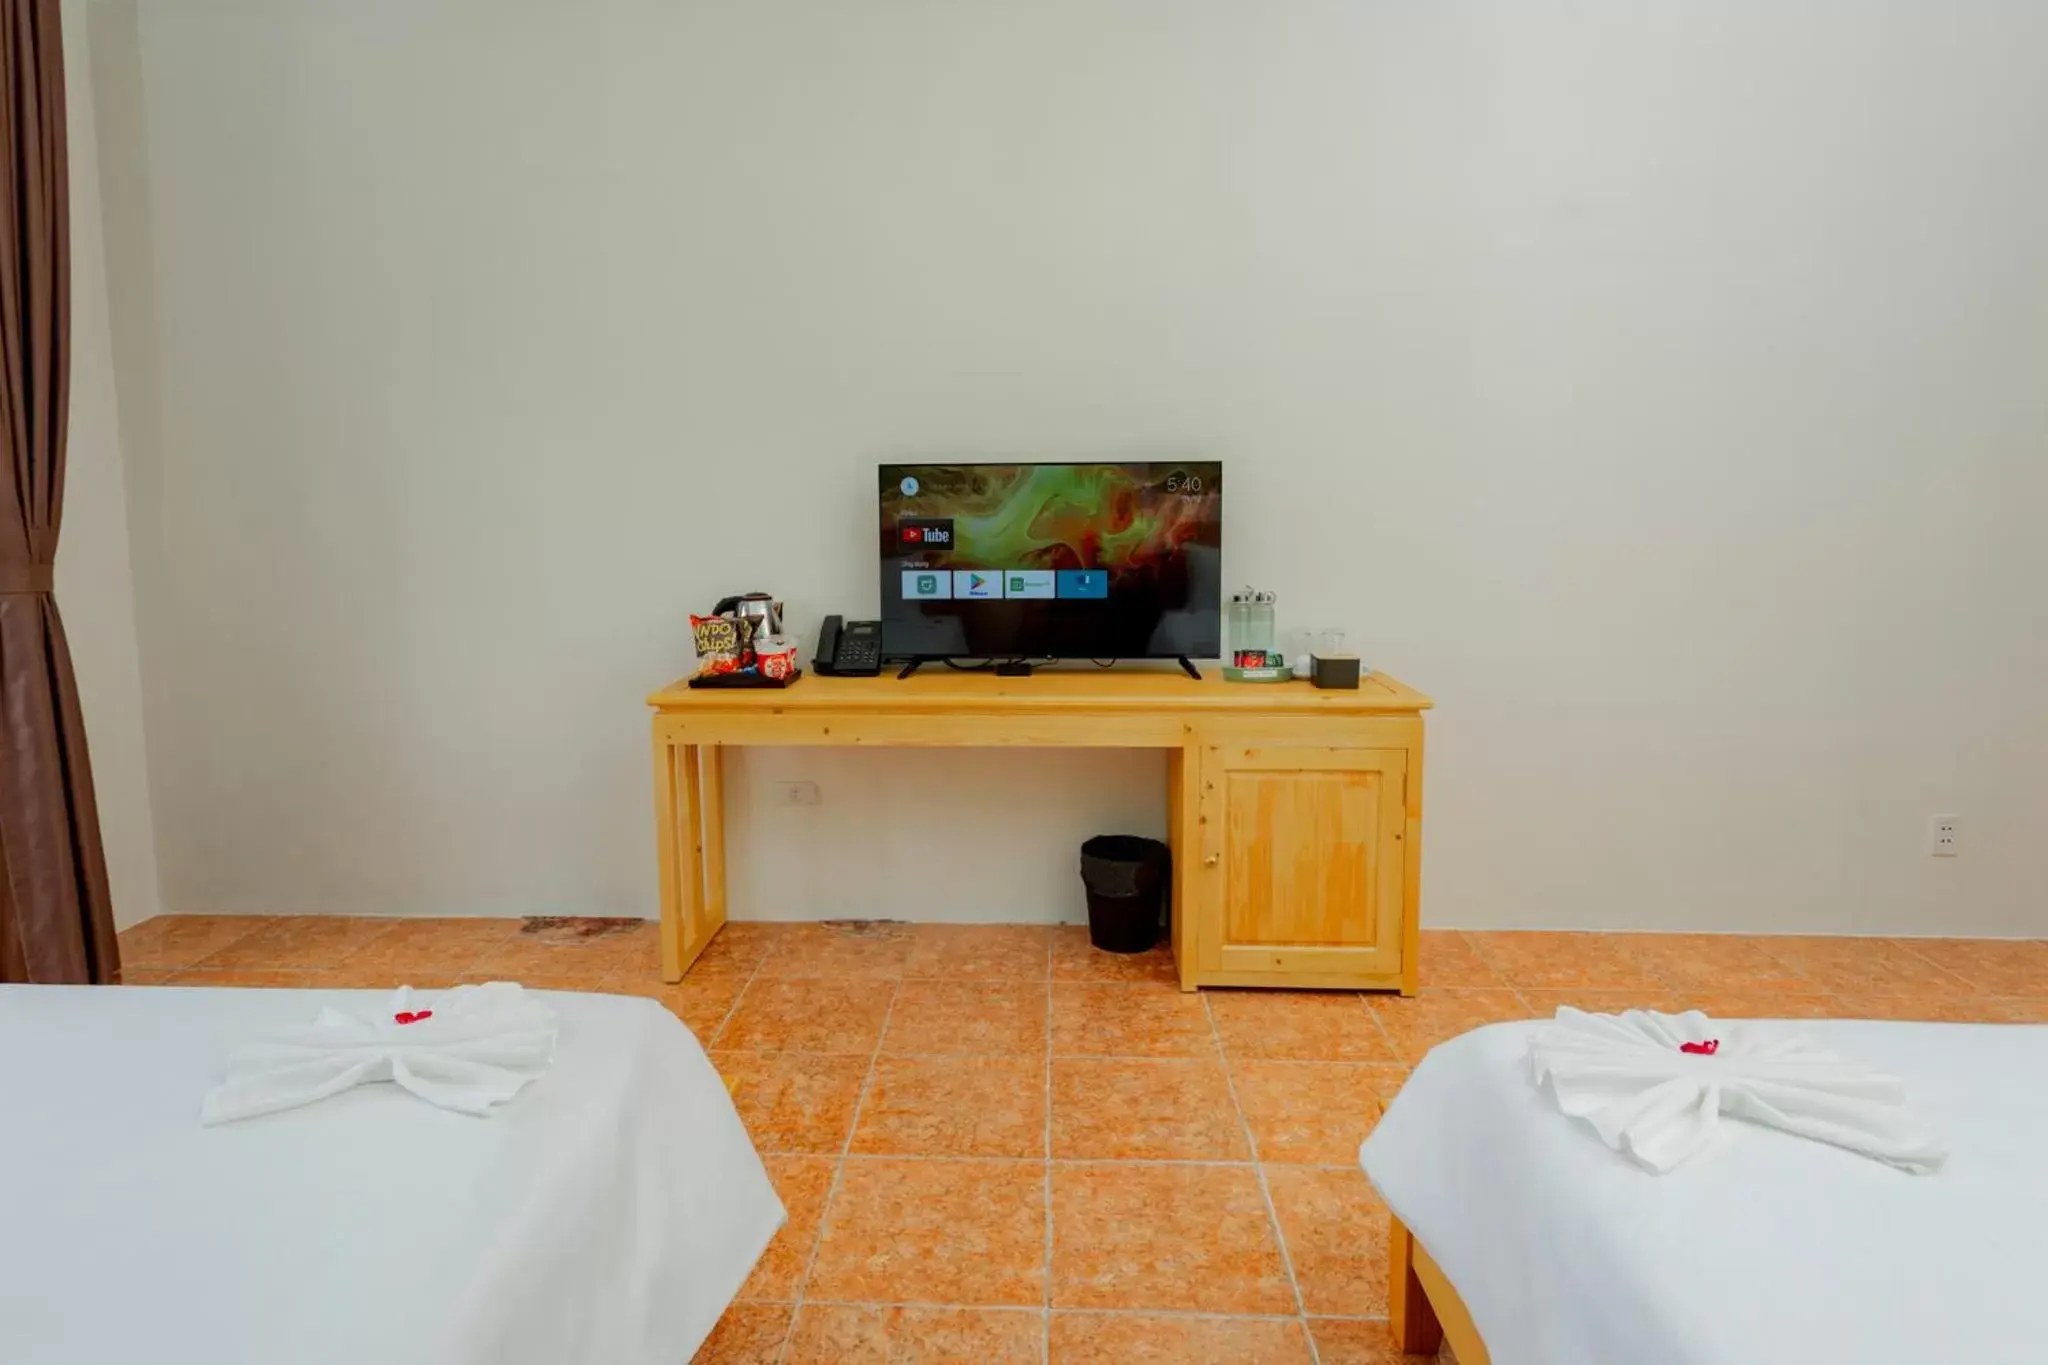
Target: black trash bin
(1125,877)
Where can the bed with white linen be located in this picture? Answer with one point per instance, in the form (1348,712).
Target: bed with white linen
(1769,1250)
(607,1214)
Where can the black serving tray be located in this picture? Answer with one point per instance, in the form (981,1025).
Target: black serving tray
(746,680)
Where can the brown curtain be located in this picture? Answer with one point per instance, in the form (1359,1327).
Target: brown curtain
(56,918)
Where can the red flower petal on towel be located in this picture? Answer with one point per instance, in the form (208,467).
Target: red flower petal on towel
(412,1017)
(1706,1049)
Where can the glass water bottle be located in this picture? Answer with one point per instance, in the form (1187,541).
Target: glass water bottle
(1251,627)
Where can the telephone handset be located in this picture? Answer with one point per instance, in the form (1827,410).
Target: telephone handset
(848,649)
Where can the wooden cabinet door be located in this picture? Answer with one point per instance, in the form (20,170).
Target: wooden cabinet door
(1304,860)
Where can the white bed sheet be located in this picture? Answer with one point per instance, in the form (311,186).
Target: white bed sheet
(1768,1251)
(609,1214)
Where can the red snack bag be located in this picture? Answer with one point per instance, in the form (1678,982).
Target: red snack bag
(722,643)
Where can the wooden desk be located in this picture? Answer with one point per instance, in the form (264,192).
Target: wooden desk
(1295,815)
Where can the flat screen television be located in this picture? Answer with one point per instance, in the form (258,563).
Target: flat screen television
(1062,561)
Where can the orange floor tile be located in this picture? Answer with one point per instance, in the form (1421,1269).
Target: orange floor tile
(996,1144)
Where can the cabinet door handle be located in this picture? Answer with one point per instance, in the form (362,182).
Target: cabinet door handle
(1212,860)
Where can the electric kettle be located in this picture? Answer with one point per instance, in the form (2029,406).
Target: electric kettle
(762,607)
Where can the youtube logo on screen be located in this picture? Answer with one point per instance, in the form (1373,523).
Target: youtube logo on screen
(923,533)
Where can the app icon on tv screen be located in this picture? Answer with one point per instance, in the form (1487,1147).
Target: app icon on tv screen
(1028,583)
(977,584)
(1086,583)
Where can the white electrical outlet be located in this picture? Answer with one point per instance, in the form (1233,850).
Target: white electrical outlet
(798,794)
(1945,835)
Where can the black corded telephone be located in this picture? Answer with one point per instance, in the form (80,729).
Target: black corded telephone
(848,649)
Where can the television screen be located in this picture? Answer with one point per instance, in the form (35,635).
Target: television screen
(1070,561)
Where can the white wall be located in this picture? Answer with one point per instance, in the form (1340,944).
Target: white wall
(1659,386)
(95,589)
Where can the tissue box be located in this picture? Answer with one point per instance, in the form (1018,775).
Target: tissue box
(1333,670)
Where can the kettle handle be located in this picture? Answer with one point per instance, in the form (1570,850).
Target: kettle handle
(725,604)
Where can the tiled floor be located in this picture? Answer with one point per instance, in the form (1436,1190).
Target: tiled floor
(997,1145)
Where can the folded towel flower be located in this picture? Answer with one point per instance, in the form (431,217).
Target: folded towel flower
(1655,1086)
(475,1049)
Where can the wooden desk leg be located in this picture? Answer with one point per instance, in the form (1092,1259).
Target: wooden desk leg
(690,844)
(679,841)
(712,799)
(1184,837)
(1411,909)
(1409,1314)
(667,841)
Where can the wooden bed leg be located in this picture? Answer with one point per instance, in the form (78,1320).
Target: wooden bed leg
(1409,1314)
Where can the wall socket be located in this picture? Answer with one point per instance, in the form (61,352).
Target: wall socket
(1945,836)
(798,794)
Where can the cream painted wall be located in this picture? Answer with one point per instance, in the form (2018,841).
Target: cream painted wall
(1659,386)
(95,588)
